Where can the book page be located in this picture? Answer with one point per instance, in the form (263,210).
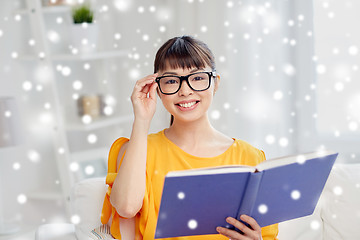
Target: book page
(212,170)
(299,158)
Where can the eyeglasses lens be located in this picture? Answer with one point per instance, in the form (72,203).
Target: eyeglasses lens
(198,81)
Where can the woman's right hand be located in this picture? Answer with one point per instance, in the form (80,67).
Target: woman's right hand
(143,98)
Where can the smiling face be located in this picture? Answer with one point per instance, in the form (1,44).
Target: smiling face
(188,105)
(181,56)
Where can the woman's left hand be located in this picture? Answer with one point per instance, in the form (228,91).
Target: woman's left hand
(253,232)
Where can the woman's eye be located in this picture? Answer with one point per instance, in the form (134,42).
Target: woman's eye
(171,81)
(198,78)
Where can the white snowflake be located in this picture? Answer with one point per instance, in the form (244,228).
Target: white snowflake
(87,66)
(53,36)
(22,199)
(230,4)
(92,138)
(74,166)
(77,85)
(192,224)
(289,69)
(27,86)
(89,170)
(353,50)
(31,42)
(16,166)
(61,150)
(86,119)
(315,225)
(353,126)
(263,208)
(278,95)
(270,139)
(181,195)
(59,20)
(283,142)
(14,55)
(66,71)
(300,159)
(295,194)
(337,190)
(141,9)
(33,156)
(215,114)
(75,219)
(145,37)
(152,8)
(162,28)
(339,86)
(108,110)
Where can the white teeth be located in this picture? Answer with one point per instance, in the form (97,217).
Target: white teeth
(187,105)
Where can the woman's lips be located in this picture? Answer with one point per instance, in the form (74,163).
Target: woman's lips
(187,106)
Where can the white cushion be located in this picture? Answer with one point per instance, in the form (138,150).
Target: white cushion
(56,231)
(87,199)
(304,228)
(341,209)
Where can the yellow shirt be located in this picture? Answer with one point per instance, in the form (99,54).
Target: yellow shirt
(164,156)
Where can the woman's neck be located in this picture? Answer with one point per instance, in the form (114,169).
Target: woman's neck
(195,132)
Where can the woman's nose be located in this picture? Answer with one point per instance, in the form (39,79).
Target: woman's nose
(185,89)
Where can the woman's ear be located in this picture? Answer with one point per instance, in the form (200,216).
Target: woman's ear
(217,83)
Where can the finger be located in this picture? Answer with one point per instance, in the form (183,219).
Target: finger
(139,85)
(146,79)
(241,226)
(146,88)
(152,91)
(142,86)
(252,222)
(231,234)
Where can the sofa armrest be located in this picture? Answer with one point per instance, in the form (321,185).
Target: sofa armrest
(87,201)
(304,228)
(56,231)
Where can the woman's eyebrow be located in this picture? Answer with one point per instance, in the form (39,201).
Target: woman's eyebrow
(174,73)
(171,73)
(197,69)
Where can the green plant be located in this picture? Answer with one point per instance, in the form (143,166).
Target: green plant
(82,14)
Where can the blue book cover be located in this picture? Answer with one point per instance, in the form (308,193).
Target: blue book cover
(195,202)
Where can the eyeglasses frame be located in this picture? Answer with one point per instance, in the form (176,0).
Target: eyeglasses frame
(186,78)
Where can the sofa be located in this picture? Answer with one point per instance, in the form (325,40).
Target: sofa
(336,217)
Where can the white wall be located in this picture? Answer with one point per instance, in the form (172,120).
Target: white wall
(41,173)
(326,75)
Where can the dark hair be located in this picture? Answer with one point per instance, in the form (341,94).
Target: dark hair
(183,52)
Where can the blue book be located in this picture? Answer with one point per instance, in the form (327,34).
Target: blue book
(196,201)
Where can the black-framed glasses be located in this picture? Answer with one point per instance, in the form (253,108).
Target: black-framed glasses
(199,81)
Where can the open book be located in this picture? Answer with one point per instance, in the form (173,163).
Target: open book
(195,202)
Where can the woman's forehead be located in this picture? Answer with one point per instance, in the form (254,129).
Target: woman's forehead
(169,68)
(182,71)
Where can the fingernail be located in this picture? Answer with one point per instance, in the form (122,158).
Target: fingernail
(218,229)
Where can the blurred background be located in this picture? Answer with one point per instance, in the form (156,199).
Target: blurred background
(289,69)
